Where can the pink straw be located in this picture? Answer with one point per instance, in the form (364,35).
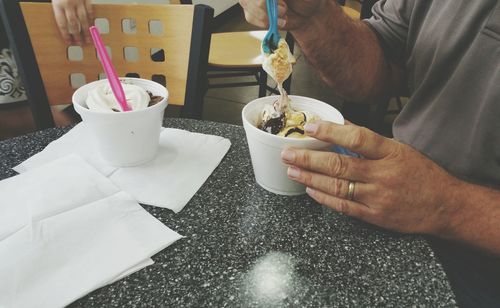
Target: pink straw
(109,69)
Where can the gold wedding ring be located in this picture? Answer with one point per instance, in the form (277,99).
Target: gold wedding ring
(350,190)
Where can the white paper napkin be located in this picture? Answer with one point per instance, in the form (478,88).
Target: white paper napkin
(184,162)
(69,231)
(76,141)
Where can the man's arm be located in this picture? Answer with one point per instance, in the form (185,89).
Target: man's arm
(348,55)
(474,216)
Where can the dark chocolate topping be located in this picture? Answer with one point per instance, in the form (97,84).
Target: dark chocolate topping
(294,130)
(154,99)
(274,125)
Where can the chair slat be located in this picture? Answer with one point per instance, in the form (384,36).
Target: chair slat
(55,67)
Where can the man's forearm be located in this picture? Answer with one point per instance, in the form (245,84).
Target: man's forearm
(473,216)
(347,55)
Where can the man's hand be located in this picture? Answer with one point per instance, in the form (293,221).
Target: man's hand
(396,187)
(73,18)
(292,14)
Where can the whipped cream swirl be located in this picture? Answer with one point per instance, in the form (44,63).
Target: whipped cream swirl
(101,98)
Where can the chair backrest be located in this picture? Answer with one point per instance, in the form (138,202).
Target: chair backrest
(165,43)
(366,8)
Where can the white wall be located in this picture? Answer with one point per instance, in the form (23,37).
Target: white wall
(218,5)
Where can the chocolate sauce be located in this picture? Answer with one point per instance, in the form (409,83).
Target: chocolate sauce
(274,125)
(294,130)
(154,99)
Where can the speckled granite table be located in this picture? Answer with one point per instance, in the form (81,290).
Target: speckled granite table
(245,247)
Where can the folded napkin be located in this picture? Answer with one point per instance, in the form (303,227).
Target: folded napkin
(184,162)
(66,230)
(76,141)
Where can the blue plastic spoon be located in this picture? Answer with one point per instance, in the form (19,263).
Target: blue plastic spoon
(272,38)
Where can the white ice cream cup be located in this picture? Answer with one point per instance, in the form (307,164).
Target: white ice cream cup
(124,139)
(265,149)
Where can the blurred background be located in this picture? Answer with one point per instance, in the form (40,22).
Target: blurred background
(220,104)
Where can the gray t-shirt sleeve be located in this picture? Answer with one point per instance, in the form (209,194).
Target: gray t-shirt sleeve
(391,20)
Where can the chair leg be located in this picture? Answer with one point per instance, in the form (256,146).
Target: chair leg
(400,103)
(357,113)
(197,82)
(287,85)
(262,83)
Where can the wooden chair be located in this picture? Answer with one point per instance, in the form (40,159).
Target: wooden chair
(352,13)
(243,59)
(50,76)
(243,56)
(238,54)
(351,8)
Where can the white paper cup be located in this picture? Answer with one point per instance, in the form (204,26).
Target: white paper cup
(265,149)
(124,139)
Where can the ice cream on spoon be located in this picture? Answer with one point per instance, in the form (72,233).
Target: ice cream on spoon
(280,118)
(278,65)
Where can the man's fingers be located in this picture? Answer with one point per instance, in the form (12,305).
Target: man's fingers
(329,185)
(282,9)
(90,10)
(62,24)
(282,14)
(74,26)
(260,21)
(84,22)
(255,12)
(347,207)
(355,138)
(328,163)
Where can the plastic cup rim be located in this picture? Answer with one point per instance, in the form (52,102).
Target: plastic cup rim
(78,106)
(281,138)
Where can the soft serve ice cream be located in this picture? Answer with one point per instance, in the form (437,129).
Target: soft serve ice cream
(287,124)
(101,98)
(280,119)
(278,64)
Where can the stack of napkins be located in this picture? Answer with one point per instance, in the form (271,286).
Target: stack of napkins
(184,162)
(65,230)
